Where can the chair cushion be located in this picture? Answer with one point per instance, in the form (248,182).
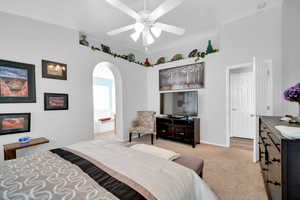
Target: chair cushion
(141,130)
(191,162)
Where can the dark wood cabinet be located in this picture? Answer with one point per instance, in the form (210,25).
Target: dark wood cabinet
(279,160)
(182,130)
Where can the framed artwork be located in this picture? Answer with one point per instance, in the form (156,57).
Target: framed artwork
(54,70)
(55,101)
(182,78)
(11,123)
(17,82)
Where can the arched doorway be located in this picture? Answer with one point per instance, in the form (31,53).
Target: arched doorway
(107,101)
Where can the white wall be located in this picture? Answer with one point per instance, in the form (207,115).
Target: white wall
(291,44)
(212,107)
(29,41)
(258,35)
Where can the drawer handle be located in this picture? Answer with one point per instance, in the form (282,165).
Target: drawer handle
(268,162)
(274,183)
(275,160)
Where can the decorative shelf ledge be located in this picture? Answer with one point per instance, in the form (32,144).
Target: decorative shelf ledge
(197,57)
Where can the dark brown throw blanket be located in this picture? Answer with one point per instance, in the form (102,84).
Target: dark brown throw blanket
(105,180)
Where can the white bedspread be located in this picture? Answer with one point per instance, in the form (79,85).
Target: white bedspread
(166,180)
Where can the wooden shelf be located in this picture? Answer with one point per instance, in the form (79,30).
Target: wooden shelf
(10,149)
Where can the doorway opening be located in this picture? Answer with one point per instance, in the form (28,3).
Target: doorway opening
(107,99)
(241,106)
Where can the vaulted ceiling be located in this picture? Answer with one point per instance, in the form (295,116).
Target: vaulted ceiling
(97,17)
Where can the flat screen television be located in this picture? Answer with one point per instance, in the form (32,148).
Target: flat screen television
(179,103)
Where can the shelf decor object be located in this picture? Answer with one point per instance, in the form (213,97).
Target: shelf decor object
(293,94)
(177,57)
(161,60)
(210,48)
(17,82)
(83,40)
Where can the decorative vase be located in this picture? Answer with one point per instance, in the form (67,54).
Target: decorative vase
(210,48)
(83,41)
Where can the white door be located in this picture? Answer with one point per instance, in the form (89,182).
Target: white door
(242,104)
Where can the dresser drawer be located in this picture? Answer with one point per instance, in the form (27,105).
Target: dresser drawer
(275,140)
(274,172)
(265,132)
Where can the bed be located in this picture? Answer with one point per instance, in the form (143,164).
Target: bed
(99,170)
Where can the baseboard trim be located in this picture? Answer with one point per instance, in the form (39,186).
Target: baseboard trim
(212,143)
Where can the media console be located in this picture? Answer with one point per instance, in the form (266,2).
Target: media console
(182,130)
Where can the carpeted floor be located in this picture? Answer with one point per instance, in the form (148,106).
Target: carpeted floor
(229,172)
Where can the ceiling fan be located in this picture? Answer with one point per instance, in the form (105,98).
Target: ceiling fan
(146,21)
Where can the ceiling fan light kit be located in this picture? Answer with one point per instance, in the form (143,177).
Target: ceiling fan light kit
(146,24)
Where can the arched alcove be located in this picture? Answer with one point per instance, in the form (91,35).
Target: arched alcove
(118,95)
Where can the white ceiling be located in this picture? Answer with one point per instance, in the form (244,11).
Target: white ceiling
(96,17)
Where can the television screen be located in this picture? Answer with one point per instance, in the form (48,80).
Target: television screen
(179,103)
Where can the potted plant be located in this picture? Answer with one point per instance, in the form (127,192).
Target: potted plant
(293,94)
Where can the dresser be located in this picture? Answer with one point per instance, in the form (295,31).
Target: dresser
(279,160)
(181,130)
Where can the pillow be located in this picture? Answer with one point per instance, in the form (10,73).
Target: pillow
(156,151)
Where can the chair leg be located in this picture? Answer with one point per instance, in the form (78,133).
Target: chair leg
(152,137)
(139,135)
(130,135)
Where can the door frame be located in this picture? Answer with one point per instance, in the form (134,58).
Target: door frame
(228,101)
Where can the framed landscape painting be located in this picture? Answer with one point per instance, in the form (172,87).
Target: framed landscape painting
(55,101)
(182,78)
(11,123)
(17,82)
(54,70)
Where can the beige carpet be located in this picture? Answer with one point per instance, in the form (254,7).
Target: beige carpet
(229,172)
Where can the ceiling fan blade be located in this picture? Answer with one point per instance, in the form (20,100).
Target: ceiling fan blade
(120,30)
(135,36)
(170,28)
(164,8)
(124,8)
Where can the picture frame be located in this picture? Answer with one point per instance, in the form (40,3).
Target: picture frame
(56,101)
(54,70)
(12,123)
(187,77)
(17,82)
